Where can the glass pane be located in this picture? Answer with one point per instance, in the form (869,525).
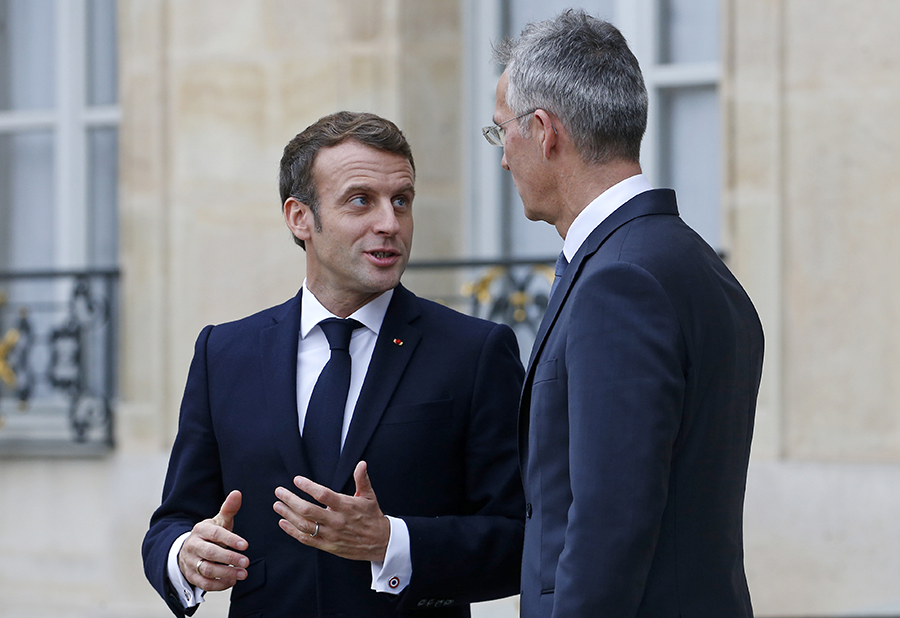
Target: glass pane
(27,32)
(689,156)
(689,31)
(524,11)
(101,52)
(103,150)
(26,200)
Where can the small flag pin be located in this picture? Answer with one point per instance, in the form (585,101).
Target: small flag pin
(398,342)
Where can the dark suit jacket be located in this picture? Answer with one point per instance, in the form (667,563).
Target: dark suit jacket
(635,427)
(435,422)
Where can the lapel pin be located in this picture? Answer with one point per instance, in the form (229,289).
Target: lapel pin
(398,342)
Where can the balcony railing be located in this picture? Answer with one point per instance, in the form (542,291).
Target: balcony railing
(57,362)
(511,291)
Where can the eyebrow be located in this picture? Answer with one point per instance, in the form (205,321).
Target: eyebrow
(410,188)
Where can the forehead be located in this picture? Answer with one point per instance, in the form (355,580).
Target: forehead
(352,163)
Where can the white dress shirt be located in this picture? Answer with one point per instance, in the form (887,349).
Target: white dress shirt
(313,352)
(599,209)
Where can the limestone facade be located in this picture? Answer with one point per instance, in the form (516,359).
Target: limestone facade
(812,201)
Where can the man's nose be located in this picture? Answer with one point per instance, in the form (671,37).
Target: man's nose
(503,162)
(386,221)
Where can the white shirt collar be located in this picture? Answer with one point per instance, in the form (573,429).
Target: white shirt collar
(598,210)
(371,315)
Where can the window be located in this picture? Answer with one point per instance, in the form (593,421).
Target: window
(58,134)
(677,44)
(680,61)
(58,224)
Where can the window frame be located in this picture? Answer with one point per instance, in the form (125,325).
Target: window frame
(487,194)
(69,121)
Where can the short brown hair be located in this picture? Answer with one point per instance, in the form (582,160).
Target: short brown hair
(296,176)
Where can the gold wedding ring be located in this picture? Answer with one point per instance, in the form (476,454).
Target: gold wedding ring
(202,560)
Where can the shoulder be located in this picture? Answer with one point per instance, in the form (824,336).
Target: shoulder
(450,338)
(662,256)
(657,240)
(252,324)
(449,329)
(434,315)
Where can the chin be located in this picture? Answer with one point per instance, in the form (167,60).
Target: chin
(383,284)
(533,215)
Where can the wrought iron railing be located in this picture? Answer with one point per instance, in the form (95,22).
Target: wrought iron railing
(57,362)
(511,291)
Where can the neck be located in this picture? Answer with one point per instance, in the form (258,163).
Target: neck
(583,182)
(341,305)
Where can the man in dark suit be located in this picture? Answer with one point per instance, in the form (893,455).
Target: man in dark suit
(639,398)
(410,501)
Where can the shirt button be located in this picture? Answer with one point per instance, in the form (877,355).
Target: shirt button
(528,510)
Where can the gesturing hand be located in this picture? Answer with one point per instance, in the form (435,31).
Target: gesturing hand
(351,527)
(206,559)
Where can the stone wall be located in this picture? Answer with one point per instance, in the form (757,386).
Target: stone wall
(812,146)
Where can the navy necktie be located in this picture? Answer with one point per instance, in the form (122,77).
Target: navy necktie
(325,413)
(561,264)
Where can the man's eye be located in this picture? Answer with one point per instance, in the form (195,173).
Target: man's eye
(401,201)
(359,200)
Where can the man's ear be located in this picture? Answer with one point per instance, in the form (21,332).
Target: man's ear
(299,218)
(547,133)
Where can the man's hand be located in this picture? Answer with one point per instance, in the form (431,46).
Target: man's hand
(351,527)
(206,559)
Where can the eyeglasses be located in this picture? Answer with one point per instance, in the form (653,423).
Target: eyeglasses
(495,134)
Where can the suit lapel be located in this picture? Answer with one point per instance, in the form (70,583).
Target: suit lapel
(397,340)
(278,351)
(657,201)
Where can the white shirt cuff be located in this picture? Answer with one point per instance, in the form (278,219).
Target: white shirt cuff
(188,594)
(393,575)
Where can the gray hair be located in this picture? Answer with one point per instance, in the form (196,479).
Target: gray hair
(580,69)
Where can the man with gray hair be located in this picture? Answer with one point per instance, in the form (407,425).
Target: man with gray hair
(639,399)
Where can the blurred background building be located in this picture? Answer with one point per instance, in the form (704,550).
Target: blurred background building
(139,146)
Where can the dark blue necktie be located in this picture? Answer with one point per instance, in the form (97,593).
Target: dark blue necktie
(561,264)
(325,413)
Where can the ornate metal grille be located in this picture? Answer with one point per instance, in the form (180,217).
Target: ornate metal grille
(512,291)
(57,362)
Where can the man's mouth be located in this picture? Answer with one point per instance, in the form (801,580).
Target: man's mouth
(384,258)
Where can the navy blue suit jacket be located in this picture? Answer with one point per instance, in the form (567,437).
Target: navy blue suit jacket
(435,421)
(635,427)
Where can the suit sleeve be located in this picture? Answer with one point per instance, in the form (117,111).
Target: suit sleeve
(476,556)
(626,363)
(193,488)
